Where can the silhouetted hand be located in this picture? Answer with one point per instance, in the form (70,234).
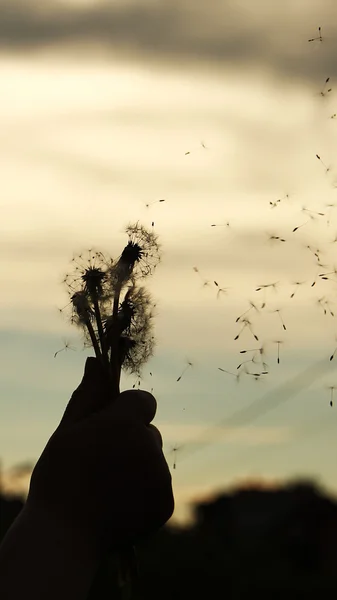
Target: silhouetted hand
(103,473)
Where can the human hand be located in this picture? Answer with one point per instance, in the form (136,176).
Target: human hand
(103,475)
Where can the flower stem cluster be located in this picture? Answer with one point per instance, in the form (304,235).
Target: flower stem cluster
(112,308)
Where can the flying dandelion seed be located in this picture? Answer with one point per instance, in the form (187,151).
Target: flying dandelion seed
(204,145)
(331,388)
(67,346)
(175,450)
(333,354)
(331,312)
(257,376)
(325,275)
(245,362)
(275,203)
(278,342)
(257,352)
(155,202)
(264,288)
(221,224)
(330,208)
(324,91)
(278,312)
(327,169)
(252,307)
(318,38)
(315,279)
(299,226)
(316,252)
(246,323)
(205,282)
(297,285)
(236,375)
(272,237)
(220,290)
(321,302)
(312,212)
(261,350)
(189,364)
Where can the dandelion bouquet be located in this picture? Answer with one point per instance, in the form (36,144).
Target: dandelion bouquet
(115,312)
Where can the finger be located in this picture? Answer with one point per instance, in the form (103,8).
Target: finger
(91,395)
(136,404)
(156,435)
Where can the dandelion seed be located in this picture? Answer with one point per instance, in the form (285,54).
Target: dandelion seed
(327,169)
(325,275)
(246,323)
(333,116)
(278,311)
(252,306)
(221,224)
(330,208)
(278,342)
(204,145)
(275,203)
(324,90)
(251,350)
(272,237)
(332,314)
(331,388)
(175,450)
(245,362)
(299,226)
(296,284)
(67,346)
(186,153)
(155,202)
(333,354)
(236,375)
(312,212)
(189,364)
(257,352)
(264,288)
(321,302)
(220,290)
(316,252)
(257,376)
(205,282)
(318,38)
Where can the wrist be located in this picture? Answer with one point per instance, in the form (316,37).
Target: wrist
(42,559)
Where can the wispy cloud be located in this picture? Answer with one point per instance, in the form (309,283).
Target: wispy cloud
(179,433)
(173,31)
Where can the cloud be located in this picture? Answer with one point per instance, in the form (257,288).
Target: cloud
(274,37)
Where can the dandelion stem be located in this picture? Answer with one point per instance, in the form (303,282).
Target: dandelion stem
(100,328)
(93,338)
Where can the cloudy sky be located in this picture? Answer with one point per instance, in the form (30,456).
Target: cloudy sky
(219,108)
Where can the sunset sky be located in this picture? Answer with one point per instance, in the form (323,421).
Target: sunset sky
(106,106)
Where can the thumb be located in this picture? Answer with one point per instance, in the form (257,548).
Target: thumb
(92,394)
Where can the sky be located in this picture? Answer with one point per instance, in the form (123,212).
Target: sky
(220,109)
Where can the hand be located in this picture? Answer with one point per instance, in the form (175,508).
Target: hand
(103,475)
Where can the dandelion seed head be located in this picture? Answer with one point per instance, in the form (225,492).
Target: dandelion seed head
(140,256)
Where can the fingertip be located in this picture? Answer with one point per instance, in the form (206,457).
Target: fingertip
(139,402)
(157,435)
